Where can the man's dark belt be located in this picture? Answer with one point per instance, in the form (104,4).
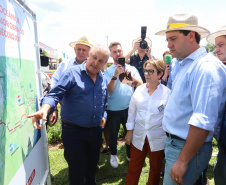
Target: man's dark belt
(174,137)
(72,124)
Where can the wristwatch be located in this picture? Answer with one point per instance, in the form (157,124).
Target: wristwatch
(114,78)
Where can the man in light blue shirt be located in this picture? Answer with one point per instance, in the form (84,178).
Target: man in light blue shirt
(219,39)
(119,95)
(196,104)
(81,48)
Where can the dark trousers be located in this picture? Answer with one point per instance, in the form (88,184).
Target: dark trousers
(81,151)
(114,119)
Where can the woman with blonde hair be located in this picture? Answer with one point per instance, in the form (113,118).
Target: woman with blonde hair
(145,133)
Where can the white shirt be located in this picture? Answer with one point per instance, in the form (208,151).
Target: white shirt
(145,117)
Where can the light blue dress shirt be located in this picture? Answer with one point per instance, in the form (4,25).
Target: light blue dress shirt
(84,102)
(174,70)
(61,68)
(120,96)
(197,96)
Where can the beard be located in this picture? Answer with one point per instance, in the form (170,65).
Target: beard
(116,60)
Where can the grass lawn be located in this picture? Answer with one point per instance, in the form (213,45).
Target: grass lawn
(107,174)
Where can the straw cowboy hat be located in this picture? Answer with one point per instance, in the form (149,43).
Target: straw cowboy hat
(83,40)
(211,38)
(146,39)
(184,22)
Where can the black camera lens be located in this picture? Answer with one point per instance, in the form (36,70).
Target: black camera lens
(143,44)
(143,32)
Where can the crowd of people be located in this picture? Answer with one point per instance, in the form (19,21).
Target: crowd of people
(170,107)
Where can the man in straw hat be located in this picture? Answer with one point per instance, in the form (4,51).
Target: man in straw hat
(138,60)
(84,90)
(196,103)
(219,39)
(81,48)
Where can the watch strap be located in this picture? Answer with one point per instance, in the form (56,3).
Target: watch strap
(114,78)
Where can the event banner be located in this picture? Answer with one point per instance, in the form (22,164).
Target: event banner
(19,89)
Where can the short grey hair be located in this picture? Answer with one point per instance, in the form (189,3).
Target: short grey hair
(101,48)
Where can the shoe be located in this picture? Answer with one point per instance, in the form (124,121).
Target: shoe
(128,159)
(162,172)
(105,151)
(114,161)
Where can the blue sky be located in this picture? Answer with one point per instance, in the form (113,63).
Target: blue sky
(64,21)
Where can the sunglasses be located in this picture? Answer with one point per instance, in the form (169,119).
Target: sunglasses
(140,64)
(151,71)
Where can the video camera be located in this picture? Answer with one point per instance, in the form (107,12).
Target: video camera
(143,43)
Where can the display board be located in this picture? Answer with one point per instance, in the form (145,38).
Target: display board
(23,150)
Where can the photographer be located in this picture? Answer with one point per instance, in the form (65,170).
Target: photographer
(143,46)
(138,60)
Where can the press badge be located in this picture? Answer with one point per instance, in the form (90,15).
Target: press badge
(161,108)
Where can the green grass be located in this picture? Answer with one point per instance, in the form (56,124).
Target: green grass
(106,174)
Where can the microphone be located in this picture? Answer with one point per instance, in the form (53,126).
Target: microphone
(168,59)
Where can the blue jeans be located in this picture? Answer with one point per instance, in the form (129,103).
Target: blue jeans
(81,151)
(196,166)
(220,167)
(114,119)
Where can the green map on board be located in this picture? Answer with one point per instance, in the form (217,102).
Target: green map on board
(18,96)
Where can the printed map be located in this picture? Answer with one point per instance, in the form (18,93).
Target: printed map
(17,99)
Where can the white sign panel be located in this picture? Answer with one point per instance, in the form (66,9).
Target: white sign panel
(23,151)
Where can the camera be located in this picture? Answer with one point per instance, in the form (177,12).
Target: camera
(143,43)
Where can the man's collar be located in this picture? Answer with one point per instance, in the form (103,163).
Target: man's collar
(194,55)
(75,61)
(83,67)
(197,53)
(145,56)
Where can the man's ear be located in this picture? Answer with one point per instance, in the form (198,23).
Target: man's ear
(191,36)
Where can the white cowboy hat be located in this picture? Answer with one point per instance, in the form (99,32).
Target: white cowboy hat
(184,22)
(146,39)
(211,38)
(83,40)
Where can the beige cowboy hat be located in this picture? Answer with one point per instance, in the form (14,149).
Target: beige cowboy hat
(211,38)
(184,22)
(83,40)
(146,39)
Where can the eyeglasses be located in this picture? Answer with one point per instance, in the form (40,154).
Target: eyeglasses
(151,71)
(140,64)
